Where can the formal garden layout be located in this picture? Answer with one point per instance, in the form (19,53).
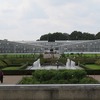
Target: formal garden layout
(12,64)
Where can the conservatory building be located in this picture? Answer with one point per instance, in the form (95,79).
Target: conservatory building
(74,46)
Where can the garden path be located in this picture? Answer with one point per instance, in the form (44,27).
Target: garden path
(14,79)
(97,77)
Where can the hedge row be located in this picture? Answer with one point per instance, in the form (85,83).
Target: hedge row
(18,72)
(24,66)
(59,77)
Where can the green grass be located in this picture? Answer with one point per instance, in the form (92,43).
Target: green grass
(93,66)
(11,68)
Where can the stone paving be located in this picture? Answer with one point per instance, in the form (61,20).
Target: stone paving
(97,77)
(11,79)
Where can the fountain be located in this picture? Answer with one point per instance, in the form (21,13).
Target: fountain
(69,65)
(36,65)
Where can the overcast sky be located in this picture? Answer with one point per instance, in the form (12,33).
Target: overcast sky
(29,19)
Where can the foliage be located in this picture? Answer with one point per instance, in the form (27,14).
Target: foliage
(97,62)
(59,77)
(75,35)
(55,36)
(2,64)
(88,80)
(24,66)
(21,60)
(62,60)
(98,35)
(7,61)
(63,55)
(84,60)
(50,61)
(26,80)
(53,60)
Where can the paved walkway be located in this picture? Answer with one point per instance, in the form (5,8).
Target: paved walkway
(14,79)
(97,77)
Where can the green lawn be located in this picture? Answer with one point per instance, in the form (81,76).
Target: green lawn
(11,68)
(93,66)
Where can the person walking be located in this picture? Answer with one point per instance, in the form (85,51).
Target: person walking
(1,76)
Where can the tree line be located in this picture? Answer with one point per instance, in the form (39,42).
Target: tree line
(75,35)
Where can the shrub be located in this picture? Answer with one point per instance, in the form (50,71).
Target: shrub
(43,75)
(88,80)
(60,77)
(62,60)
(79,74)
(85,60)
(63,81)
(67,74)
(57,76)
(73,81)
(26,80)
(63,55)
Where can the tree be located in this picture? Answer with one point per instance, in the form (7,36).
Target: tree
(55,36)
(44,37)
(97,35)
(76,35)
(51,38)
(88,36)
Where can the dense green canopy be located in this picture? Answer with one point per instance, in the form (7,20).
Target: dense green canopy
(75,35)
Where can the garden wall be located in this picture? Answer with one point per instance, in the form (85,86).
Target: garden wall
(50,92)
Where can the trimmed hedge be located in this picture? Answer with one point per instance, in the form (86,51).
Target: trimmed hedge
(58,77)
(93,72)
(24,66)
(18,72)
(2,64)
